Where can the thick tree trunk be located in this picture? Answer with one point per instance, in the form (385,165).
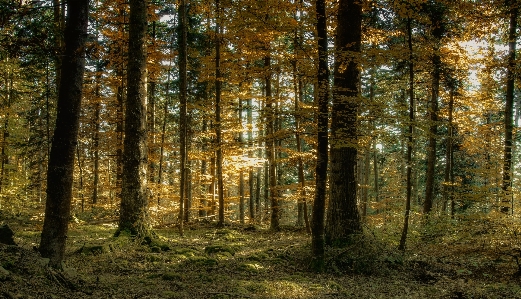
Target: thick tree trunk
(509,108)
(134,198)
(319,205)
(343,219)
(61,160)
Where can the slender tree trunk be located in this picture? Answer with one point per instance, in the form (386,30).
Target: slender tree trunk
(513,7)
(375,172)
(80,174)
(163,135)
(218,125)
(319,205)
(447,188)
(343,219)
(58,25)
(241,173)
(95,138)
(212,186)
(120,126)
(270,148)
(410,139)
(152,115)
(4,156)
(183,94)
(250,155)
(61,160)
(134,198)
(203,212)
(437,33)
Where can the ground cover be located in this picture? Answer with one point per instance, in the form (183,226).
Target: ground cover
(246,261)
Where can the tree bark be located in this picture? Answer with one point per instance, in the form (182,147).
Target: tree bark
(509,108)
(343,219)
(241,173)
(447,188)
(218,125)
(134,216)
(183,93)
(95,137)
(61,160)
(436,17)
(319,205)
(410,140)
(270,147)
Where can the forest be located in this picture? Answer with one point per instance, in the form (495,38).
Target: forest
(259,149)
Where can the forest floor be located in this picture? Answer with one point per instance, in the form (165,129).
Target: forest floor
(245,261)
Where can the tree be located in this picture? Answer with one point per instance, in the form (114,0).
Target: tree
(410,138)
(436,13)
(513,8)
(61,160)
(343,219)
(319,205)
(183,93)
(134,199)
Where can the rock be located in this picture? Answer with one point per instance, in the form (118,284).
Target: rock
(6,235)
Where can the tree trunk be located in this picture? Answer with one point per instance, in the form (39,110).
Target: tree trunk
(61,160)
(250,155)
(447,188)
(218,125)
(203,212)
(509,107)
(410,140)
(319,205)
(183,94)
(343,218)
(270,147)
(241,173)
(95,137)
(134,198)
(152,115)
(436,17)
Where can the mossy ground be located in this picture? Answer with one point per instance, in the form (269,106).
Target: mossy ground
(238,263)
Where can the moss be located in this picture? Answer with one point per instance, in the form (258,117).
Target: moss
(213,249)
(186,252)
(171,276)
(251,267)
(203,261)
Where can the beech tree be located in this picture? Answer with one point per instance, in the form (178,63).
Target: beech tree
(61,160)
